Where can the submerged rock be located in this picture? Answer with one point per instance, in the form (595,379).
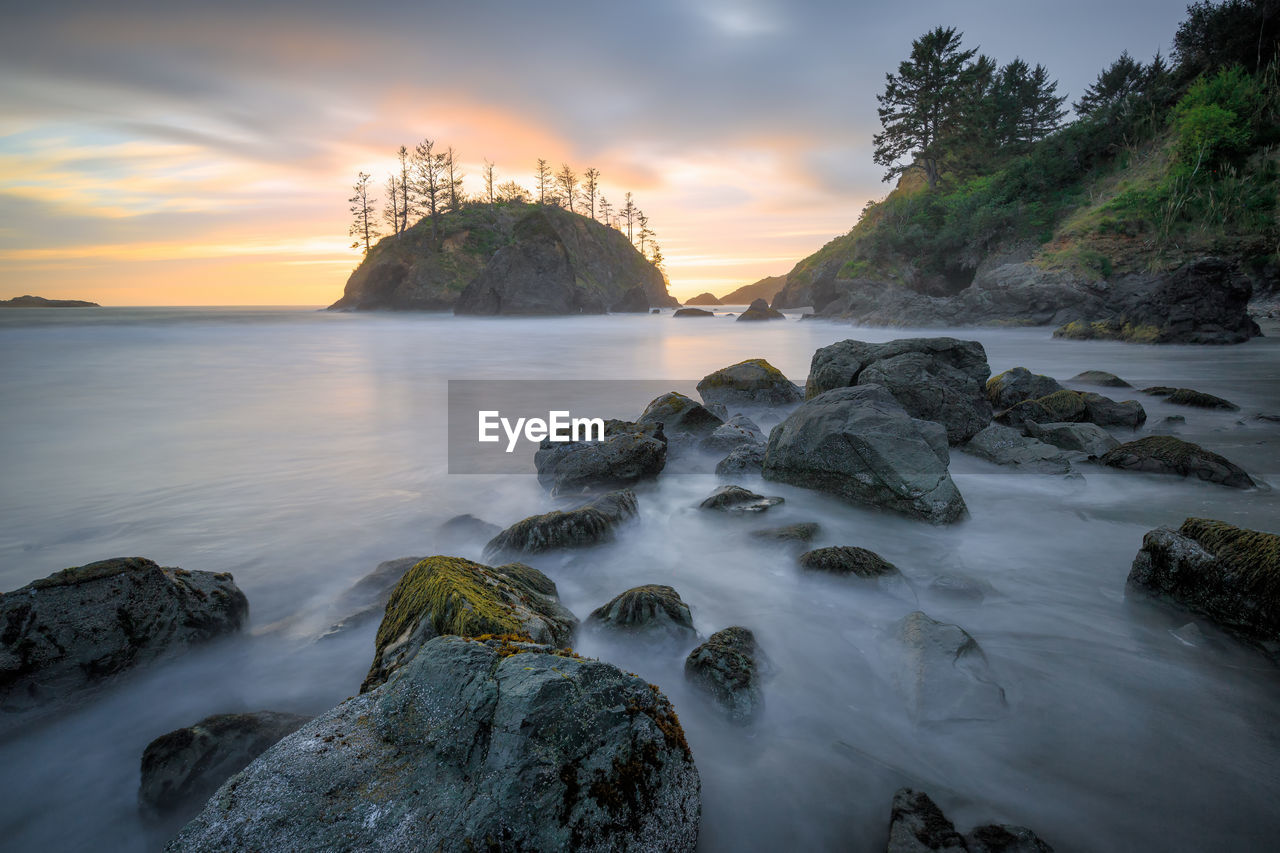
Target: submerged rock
(944,674)
(725,666)
(754,382)
(1090,439)
(650,609)
(847,560)
(1100,377)
(367,598)
(495,745)
(1007,446)
(861,445)
(692,312)
(465,528)
(589,524)
(1228,573)
(745,459)
(1017,384)
(182,768)
(917,825)
(680,415)
(77,627)
(935,379)
(802,532)
(759,310)
(734,433)
(1164,454)
(630,453)
(450,595)
(1188,397)
(738,499)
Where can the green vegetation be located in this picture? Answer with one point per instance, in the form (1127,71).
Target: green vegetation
(1252,557)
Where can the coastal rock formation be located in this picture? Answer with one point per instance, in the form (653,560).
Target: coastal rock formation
(726,667)
(1016,384)
(496,745)
(733,433)
(765,288)
(1007,446)
(41,302)
(704,299)
(680,415)
(629,453)
(589,524)
(803,532)
(450,595)
(653,609)
(847,560)
(861,445)
(1075,407)
(1164,454)
(745,459)
(936,379)
(752,383)
(735,499)
(692,312)
(759,310)
(1188,397)
(943,673)
(367,598)
(917,825)
(77,627)
(1100,377)
(182,768)
(1090,439)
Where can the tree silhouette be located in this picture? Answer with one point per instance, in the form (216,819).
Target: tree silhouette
(363,227)
(567,181)
(543,176)
(488,181)
(590,186)
(429,184)
(606,211)
(452,177)
(628,216)
(406,209)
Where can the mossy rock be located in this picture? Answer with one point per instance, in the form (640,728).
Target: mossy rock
(1164,454)
(1188,397)
(752,382)
(726,667)
(847,560)
(680,415)
(450,595)
(649,609)
(803,532)
(1100,377)
(1109,330)
(588,525)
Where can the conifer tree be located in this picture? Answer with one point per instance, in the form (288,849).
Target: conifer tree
(363,227)
(590,187)
(567,182)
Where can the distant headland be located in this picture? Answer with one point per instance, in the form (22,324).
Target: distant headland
(41,302)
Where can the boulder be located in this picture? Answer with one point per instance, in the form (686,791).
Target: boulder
(935,379)
(1106,412)
(1164,454)
(704,299)
(944,674)
(77,627)
(1090,439)
(366,600)
(736,499)
(734,433)
(1228,573)
(726,667)
(496,745)
(746,459)
(182,768)
(1074,407)
(692,312)
(1100,377)
(1188,397)
(589,524)
(1007,446)
(464,529)
(847,560)
(917,825)
(629,453)
(634,300)
(652,609)
(450,595)
(861,445)
(805,531)
(759,310)
(680,415)
(754,382)
(1017,384)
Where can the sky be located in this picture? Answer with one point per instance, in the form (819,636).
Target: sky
(179,153)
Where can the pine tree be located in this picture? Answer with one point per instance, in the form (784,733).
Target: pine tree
(363,227)
(628,216)
(606,211)
(543,176)
(429,183)
(391,211)
(406,209)
(488,181)
(1113,87)
(645,233)
(452,177)
(590,186)
(567,181)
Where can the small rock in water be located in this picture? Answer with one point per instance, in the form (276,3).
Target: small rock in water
(745,459)
(959,587)
(1017,384)
(1188,397)
(760,310)
(1174,420)
(803,532)
(945,675)
(680,415)
(754,382)
(630,452)
(739,430)
(738,499)
(1100,377)
(589,524)
(1007,446)
(847,560)
(1089,439)
(726,666)
(1164,454)
(463,529)
(650,609)
(917,825)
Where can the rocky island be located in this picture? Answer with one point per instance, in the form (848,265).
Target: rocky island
(41,302)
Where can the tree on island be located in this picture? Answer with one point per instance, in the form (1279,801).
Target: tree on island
(606,211)
(429,186)
(488,182)
(406,207)
(362,202)
(543,177)
(567,183)
(628,215)
(590,186)
(452,177)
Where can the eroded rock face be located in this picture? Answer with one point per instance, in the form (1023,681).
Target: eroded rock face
(629,453)
(1228,573)
(182,768)
(652,609)
(860,444)
(751,383)
(1164,454)
(917,825)
(935,379)
(589,524)
(944,674)
(726,667)
(496,745)
(71,630)
(450,595)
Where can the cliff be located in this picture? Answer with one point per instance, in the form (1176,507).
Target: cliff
(765,288)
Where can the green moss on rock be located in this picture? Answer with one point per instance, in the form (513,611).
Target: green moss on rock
(1252,557)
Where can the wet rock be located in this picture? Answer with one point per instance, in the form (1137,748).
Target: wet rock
(804,532)
(1090,439)
(935,379)
(959,587)
(847,560)
(1074,407)
(1227,573)
(589,524)
(747,459)
(501,744)
(653,609)
(725,666)
(463,529)
(1007,446)
(1164,454)
(738,500)
(944,674)
(861,445)
(1017,384)
(759,310)
(734,433)
(1174,420)
(1100,377)
(1187,397)
(692,312)
(630,453)
(680,415)
(1104,411)
(450,595)
(917,825)
(182,768)
(367,599)
(754,382)
(78,627)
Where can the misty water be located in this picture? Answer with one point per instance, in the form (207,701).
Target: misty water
(299,449)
